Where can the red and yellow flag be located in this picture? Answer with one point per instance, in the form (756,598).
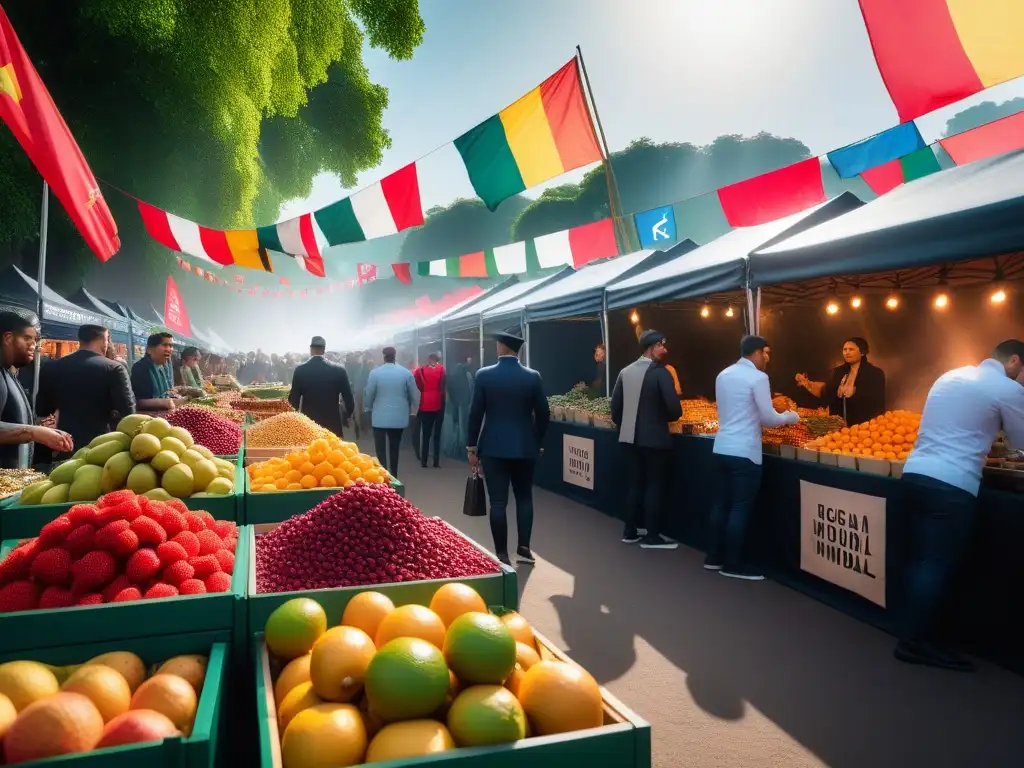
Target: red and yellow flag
(28,110)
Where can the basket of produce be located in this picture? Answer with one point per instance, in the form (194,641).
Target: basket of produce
(403,681)
(221,435)
(127,566)
(261,409)
(375,537)
(289,431)
(14,481)
(146,456)
(154,702)
(581,417)
(874,444)
(557,411)
(283,486)
(268,392)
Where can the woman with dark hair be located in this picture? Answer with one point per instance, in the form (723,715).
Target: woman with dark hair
(856,389)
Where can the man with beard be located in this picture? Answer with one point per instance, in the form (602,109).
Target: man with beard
(19,333)
(151,385)
(644,401)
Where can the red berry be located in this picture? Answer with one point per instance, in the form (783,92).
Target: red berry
(52,566)
(218,582)
(173,522)
(209,519)
(114,498)
(148,530)
(56,597)
(55,531)
(178,572)
(209,542)
(225,528)
(188,540)
(114,588)
(83,513)
(81,540)
(126,595)
(160,589)
(92,570)
(177,505)
(18,562)
(171,552)
(226,560)
(192,587)
(117,538)
(143,565)
(90,599)
(204,565)
(195,522)
(19,596)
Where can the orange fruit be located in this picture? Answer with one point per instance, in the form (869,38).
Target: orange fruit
(8,714)
(281,484)
(559,697)
(306,468)
(526,655)
(293,487)
(135,727)
(520,628)
(63,724)
(366,611)
(293,475)
(309,481)
(411,621)
(453,600)
(335,458)
(324,735)
(328,481)
(339,661)
(169,695)
(321,469)
(355,474)
(295,673)
(103,686)
(301,697)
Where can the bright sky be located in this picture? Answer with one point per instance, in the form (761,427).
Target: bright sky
(673,70)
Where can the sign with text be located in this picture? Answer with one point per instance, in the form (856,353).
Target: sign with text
(175,314)
(578,461)
(842,539)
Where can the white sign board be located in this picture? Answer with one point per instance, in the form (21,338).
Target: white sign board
(578,461)
(842,539)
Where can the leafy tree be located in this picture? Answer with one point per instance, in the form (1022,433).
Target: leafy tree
(979,114)
(217,110)
(464,226)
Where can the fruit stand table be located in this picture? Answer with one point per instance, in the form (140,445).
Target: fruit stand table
(860,576)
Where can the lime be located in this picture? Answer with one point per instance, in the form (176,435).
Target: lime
(406,679)
(479,648)
(486,714)
(294,626)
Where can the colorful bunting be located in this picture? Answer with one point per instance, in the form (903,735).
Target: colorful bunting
(237,282)
(402,273)
(384,208)
(986,140)
(888,145)
(888,176)
(570,247)
(295,237)
(542,135)
(773,195)
(931,53)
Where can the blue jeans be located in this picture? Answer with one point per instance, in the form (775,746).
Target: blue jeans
(498,474)
(941,525)
(737,482)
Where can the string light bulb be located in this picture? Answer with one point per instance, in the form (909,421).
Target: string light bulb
(634,317)
(856,302)
(832,308)
(998,296)
(729,312)
(941,301)
(893,302)
(705,311)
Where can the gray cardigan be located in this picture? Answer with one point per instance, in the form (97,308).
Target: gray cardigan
(391,396)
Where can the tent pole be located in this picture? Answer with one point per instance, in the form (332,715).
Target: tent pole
(751,318)
(44,216)
(131,343)
(444,348)
(481,363)
(526,335)
(604,338)
(757,309)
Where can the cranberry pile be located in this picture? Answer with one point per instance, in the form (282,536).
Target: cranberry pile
(367,534)
(124,547)
(220,435)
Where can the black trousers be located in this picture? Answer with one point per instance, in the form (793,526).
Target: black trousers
(648,475)
(737,481)
(498,475)
(387,443)
(941,527)
(430,427)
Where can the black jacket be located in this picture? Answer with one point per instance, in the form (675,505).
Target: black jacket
(318,389)
(15,408)
(91,392)
(509,415)
(655,406)
(868,399)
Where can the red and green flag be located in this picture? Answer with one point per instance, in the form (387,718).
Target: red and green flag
(888,176)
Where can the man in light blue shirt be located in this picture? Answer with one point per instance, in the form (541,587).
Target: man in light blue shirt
(744,400)
(965,411)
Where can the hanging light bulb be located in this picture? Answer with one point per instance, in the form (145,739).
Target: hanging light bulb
(832,307)
(634,317)
(893,302)
(998,296)
(856,302)
(705,311)
(729,312)
(941,301)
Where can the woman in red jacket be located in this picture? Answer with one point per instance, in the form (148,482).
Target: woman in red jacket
(430,380)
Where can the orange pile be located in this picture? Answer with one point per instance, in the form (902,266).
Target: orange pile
(327,463)
(891,436)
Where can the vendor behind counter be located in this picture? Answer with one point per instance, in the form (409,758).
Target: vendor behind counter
(856,388)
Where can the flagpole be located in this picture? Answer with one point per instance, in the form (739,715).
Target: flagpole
(614,204)
(44,216)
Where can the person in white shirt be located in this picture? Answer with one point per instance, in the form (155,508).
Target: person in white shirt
(965,410)
(744,401)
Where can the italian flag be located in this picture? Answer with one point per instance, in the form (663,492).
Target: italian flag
(296,238)
(568,248)
(384,208)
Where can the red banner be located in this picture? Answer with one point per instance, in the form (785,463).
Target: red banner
(175,314)
(366,273)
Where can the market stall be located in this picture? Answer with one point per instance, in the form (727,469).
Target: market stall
(120,330)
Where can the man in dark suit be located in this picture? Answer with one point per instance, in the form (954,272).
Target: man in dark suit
(319,388)
(88,391)
(508,418)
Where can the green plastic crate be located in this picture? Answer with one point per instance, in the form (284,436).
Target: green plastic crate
(624,741)
(199,749)
(497,589)
(278,506)
(47,628)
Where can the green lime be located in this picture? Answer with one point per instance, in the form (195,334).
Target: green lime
(479,648)
(294,626)
(486,714)
(406,679)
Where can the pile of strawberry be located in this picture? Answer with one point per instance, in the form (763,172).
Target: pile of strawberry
(123,547)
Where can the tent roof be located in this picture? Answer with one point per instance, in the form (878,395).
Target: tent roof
(720,265)
(22,290)
(435,322)
(470,316)
(967,212)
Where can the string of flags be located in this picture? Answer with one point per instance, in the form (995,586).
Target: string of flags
(365,273)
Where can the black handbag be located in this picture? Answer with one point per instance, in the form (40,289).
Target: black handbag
(475,504)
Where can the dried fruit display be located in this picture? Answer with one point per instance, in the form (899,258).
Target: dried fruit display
(819,426)
(890,436)
(285,430)
(222,436)
(366,534)
(14,480)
